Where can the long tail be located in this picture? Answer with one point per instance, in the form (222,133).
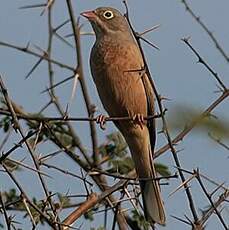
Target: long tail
(152,201)
(139,143)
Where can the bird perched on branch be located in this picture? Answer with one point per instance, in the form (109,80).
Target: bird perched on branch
(124,88)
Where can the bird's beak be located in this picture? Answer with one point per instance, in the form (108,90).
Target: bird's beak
(90,15)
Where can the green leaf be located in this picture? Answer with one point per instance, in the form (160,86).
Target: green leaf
(64,201)
(89,215)
(11,196)
(162,169)
(140,220)
(183,115)
(122,166)
(11,165)
(99,228)
(5,123)
(119,143)
(114,146)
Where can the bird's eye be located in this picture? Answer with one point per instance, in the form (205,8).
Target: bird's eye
(108,14)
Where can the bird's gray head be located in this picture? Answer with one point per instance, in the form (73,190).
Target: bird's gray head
(105,20)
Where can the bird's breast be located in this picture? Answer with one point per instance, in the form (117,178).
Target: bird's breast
(116,72)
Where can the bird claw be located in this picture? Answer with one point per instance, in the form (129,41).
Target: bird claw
(139,120)
(101,120)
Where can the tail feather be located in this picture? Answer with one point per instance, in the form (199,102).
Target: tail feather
(139,142)
(152,202)
(151,196)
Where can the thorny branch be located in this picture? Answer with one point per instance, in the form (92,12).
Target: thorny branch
(202,61)
(79,70)
(18,128)
(210,199)
(92,165)
(27,198)
(206,29)
(7,218)
(65,119)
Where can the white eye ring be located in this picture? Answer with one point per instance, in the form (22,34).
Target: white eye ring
(108,14)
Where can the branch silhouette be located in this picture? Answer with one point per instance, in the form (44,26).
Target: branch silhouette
(100,177)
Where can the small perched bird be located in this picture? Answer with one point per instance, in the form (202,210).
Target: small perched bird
(124,88)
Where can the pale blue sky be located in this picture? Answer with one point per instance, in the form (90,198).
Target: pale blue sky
(174,68)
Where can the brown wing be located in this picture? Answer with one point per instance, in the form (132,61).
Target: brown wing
(150,109)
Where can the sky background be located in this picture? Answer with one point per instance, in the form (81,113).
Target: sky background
(174,69)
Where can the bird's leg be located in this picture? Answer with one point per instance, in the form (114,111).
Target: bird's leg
(101,120)
(139,119)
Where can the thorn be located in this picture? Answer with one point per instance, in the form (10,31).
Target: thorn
(149,43)
(179,219)
(182,184)
(149,30)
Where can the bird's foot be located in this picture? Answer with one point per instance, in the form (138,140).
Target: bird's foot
(101,120)
(139,120)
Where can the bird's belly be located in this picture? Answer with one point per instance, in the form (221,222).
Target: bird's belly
(122,96)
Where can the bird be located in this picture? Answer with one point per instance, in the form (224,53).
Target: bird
(124,88)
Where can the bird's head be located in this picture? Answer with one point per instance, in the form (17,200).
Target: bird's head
(106,20)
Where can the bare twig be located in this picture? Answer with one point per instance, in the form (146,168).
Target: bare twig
(149,30)
(9,105)
(29,147)
(95,199)
(28,51)
(5,139)
(27,166)
(210,34)
(79,70)
(210,199)
(38,118)
(211,210)
(91,201)
(202,61)
(66,172)
(7,219)
(18,145)
(118,176)
(27,198)
(29,212)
